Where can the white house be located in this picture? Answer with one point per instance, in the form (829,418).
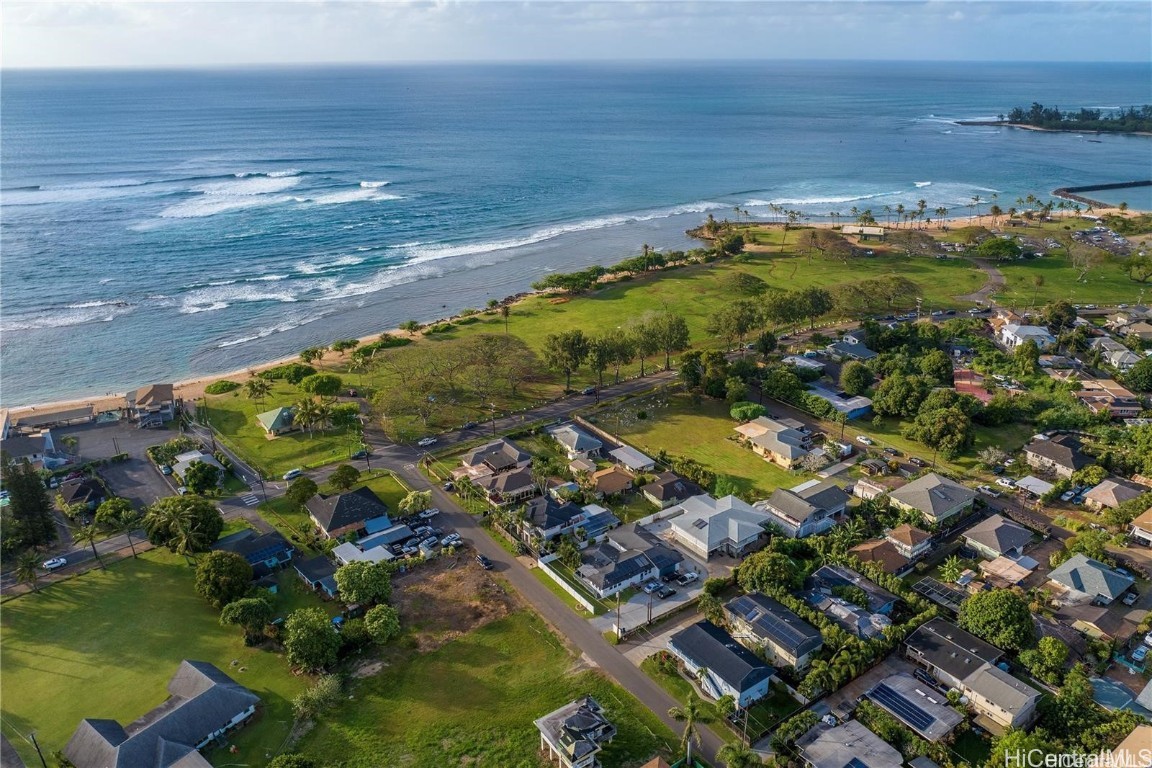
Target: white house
(808,509)
(1012,335)
(726,526)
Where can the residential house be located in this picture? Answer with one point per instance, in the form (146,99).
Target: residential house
(830,578)
(727,526)
(853,407)
(806,363)
(881,552)
(1081,579)
(998,536)
(1141,329)
(760,622)
(277,421)
(722,665)
(574,734)
(1034,486)
(39,450)
(625,557)
(546,518)
(577,443)
(1141,530)
(1133,751)
(909,541)
(353,552)
(358,510)
(266,553)
(1059,454)
(1108,396)
(632,460)
(1101,622)
(319,574)
(184,462)
(1114,353)
(36,421)
(83,490)
(1012,335)
(935,497)
(1112,493)
(498,456)
(1128,315)
(850,745)
(669,489)
(845,350)
(867,490)
(576,466)
(611,481)
(874,468)
(960,660)
(807,509)
(776,442)
(203,704)
(152,405)
(1001,572)
(925,712)
(508,487)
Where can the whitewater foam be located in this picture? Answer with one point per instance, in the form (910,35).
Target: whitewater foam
(374,184)
(318,267)
(817,200)
(361,194)
(920,184)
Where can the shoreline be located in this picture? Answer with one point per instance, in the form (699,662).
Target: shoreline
(1027,127)
(192,389)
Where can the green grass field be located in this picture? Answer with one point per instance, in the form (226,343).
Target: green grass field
(1010,438)
(702,433)
(472,702)
(105,644)
(234,416)
(1105,284)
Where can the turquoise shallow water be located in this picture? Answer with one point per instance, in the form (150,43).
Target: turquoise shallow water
(154,225)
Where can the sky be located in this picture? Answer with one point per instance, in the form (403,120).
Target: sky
(215,33)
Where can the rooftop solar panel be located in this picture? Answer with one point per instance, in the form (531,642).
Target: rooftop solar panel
(904,709)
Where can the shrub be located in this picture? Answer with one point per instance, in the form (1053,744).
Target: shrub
(221,387)
(293,373)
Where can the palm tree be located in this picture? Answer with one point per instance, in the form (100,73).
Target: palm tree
(505,311)
(690,714)
(899,213)
(257,389)
(976,205)
(28,570)
(736,755)
(88,534)
(941,212)
(187,539)
(306,413)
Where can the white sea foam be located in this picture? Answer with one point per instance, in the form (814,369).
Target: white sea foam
(318,267)
(287,325)
(216,297)
(90,304)
(106,280)
(284,174)
(817,200)
(923,184)
(374,184)
(266,278)
(210,205)
(252,185)
(360,194)
(78,192)
(421,253)
(79,314)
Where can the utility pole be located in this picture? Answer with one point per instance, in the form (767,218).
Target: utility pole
(619,624)
(32,737)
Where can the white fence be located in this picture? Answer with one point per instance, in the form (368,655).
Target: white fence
(543,563)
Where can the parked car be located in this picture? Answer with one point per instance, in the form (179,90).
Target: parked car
(485,563)
(424,442)
(865,440)
(54,563)
(182,490)
(892,452)
(449,486)
(468,425)
(430,542)
(916,461)
(165,469)
(987,491)
(687,578)
(451,540)
(651,586)
(1131,598)
(292,474)
(997,470)
(1139,654)
(1005,482)
(1067,495)
(665,593)
(588,391)
(428,514)
(359,455)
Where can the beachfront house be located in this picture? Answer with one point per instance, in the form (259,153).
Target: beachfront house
(276,422)
(152,406)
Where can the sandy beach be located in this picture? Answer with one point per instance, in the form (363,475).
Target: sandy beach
(194,388)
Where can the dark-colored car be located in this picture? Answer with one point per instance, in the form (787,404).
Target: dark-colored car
(485,563)
(997,470)
(917,462)
(588,391)
(359,455)
(449,486)
(665,593)
(468,425)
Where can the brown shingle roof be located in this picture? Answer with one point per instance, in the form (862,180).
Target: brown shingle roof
(909,535)
(880,551)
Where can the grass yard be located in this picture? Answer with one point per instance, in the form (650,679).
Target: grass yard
(702,433)
(557,590)
(234,416)
(472,702)
(105,644)
(1010,437)
(1106,284)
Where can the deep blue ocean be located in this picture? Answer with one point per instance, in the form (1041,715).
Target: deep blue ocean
(158,225)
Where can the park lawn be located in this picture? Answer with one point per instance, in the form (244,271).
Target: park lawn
(385,485)
(104,645)
(703,433)
(1105,284)
(472,702)
(234,417)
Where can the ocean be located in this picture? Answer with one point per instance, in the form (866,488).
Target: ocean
(160,225)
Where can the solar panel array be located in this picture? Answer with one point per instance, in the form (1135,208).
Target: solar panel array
(779,629)
(904,709)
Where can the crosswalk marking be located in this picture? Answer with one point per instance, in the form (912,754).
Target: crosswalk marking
(249,500)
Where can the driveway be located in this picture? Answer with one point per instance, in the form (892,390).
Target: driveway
(136,480)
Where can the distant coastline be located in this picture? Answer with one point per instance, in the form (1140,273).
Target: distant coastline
(1040,129)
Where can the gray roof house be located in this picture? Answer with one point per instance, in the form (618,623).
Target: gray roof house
(1112,493)
(1060,454)
(1084,580)
(669,488)
(850,745)
(339,513)
(83,490)
(808,509)
(266,552)
(318,573)
(730,669)
(632,459)
(548,518)
(762,622)
(577,443)
(998,536)
(846,350)
(203,704)
(728,526)
(498,456)
(575,733)
(508,487)
(935,497)
(925,712)
(627,556)
(829,577)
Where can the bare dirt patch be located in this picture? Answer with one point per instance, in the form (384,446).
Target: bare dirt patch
(446,598)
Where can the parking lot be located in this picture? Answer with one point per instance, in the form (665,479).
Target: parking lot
(135,479)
